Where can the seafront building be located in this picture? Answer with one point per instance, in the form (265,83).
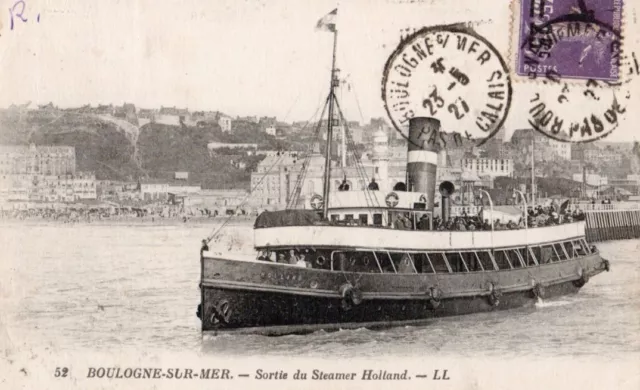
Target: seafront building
(37,160)
(48,188)
(43,174)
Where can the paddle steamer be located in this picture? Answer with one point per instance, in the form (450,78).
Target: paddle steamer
(361,268)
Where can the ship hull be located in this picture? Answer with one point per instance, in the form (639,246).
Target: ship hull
(274,299)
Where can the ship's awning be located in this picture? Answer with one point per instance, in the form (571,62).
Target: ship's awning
(287,218)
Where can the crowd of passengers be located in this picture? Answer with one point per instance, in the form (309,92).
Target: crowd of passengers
(540,216)
(293,257)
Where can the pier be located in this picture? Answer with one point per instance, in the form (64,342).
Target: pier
(612,224)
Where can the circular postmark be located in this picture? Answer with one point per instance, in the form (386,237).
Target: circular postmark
(572,113)
(452,74)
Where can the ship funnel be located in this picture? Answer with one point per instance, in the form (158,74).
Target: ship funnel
(422,159)
(446,188)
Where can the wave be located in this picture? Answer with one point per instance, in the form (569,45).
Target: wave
(542,304)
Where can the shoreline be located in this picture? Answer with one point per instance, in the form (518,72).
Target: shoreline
(144,221)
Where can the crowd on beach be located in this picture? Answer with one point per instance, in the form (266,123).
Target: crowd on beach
(72,215)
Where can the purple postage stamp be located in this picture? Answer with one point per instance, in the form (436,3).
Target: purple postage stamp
(576,39)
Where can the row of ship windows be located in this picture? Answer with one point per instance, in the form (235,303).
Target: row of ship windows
(461,261)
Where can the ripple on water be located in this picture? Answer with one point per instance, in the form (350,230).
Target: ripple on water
(114,287)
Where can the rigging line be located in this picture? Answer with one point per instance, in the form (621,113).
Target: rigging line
(353,86)
(362,172)
(295,100)
(214,233)
(303,175)
(295,195)
(359,168)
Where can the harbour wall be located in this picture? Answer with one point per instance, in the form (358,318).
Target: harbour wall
(603,225)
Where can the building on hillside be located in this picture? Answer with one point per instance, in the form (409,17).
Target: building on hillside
(181,175)
(37,160)
(251,119)
(524,140)
(225,123)
(631,184)
(103,109)
(562,150)
(202,118)
(153,189)
(493,167)
(238,164)
(145,116)
(603,155)
(127,112)
(267,121)
(592,179)
(171,116)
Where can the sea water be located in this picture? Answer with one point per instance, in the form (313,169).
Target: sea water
(84,287)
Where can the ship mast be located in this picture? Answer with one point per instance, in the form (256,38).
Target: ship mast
(533,170)
(327,158)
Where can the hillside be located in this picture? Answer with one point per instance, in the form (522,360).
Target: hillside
(100,146)
(106,147)
(165,149)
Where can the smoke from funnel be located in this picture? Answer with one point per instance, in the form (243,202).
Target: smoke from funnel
(422,159)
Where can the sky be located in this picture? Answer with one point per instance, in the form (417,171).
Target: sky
(239,57)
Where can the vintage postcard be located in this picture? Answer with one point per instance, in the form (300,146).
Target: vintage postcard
(316,194)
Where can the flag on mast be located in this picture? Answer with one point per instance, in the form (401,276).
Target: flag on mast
(328,22)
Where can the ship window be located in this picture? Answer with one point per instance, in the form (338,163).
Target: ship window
(514,256)
(385,262)
(502,260)
(364,219)
(438,260)
(527,257)
(377,219)
(555,256)
(547,254)
(472,261)
(533,257)
(354,261)
(559,248)
(579,248)
(485,259)
(422,263)
(537,253)
(403,262)
(335,217)
(348,217)
(569,248)
(455,261)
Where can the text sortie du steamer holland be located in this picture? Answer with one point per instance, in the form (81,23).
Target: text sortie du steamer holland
(216,373)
